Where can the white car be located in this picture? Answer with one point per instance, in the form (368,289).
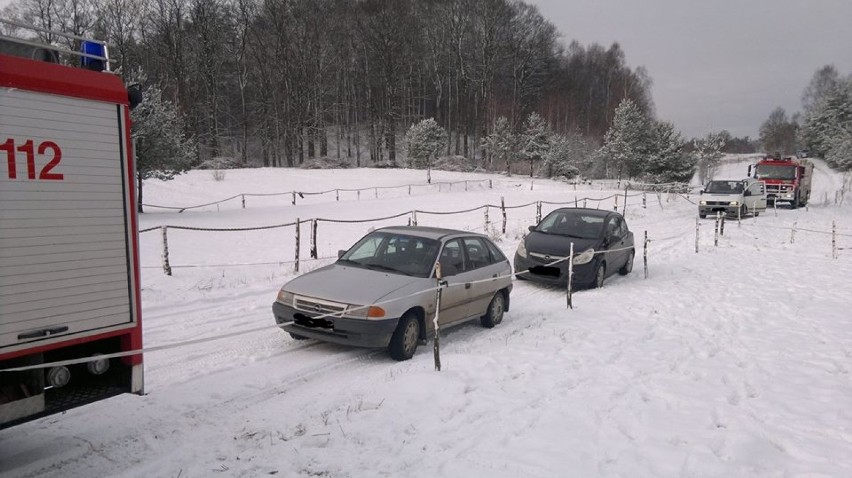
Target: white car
(733,197)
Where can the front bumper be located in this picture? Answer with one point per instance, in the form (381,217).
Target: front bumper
(339,330)
(711,210)
(539,271)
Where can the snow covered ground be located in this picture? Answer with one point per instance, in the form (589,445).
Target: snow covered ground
(734,361)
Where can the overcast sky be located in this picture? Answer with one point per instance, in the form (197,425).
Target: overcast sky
(716,64)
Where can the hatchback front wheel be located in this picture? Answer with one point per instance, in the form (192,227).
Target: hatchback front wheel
(405,338)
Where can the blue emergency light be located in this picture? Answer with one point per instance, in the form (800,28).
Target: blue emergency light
(91,49)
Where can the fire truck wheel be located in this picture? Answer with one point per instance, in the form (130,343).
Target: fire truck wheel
(795,203)
(702,216)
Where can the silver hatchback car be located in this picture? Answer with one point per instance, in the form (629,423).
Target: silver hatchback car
(382,292)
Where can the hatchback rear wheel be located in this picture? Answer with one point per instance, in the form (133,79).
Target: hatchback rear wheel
(405,338)
(494,314)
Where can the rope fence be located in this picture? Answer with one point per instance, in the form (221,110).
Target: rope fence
(478,183)
(412,220)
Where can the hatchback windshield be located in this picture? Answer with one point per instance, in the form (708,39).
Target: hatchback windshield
(573,224)
(776,172)
(395,253)
(724,187)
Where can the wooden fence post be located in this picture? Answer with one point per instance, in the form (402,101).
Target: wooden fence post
(298,241)
(503,208)
(243,196)
(644,200)
(166,267)
(314,239)
(833,240)
(487,222)
(538,212)
(337,195)
(570,276)
(615,207)
(624,209)
(490,185)
(645,254)
(696,234)
(716,231)
(414,218)
(294,197)
(722,225)
(436,346)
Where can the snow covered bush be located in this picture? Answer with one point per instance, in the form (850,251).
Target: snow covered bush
(325,163)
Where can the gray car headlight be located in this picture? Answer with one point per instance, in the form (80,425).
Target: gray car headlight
(703,203)
(734,203)
(285,297)
(522,249)
(585,257)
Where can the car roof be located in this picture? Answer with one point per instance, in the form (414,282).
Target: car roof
(587,211)
(436,233)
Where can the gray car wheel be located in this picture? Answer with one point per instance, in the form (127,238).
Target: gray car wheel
(600,275)
(405,338)
(494,314)
(627,268)
(297,336)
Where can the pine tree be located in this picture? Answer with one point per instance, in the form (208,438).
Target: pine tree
(162,149)
(501,142)
(708,151)
(424,141)
(569,156)
(667,161)
(535,140)
(626,141)
(829,122)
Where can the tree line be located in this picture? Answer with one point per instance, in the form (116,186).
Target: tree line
(280,82)
(823,128)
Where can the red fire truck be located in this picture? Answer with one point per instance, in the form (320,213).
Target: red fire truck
(787,179)
(70,324)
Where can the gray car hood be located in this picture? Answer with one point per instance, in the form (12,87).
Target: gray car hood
(351,285)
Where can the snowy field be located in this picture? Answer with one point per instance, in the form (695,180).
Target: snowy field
(732,362)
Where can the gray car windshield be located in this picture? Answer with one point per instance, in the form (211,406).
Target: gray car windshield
(394,253)
(724,187)
(572,224)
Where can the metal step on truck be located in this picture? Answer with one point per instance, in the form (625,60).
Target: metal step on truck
(70,322)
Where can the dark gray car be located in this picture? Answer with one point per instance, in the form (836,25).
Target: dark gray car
(602,245)
(382,292)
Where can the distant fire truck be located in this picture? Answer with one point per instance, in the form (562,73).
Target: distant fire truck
(70,325)
(787,179)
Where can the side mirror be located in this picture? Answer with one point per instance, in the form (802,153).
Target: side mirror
(531,228)
(701,192)
(340,253)
(747,193)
